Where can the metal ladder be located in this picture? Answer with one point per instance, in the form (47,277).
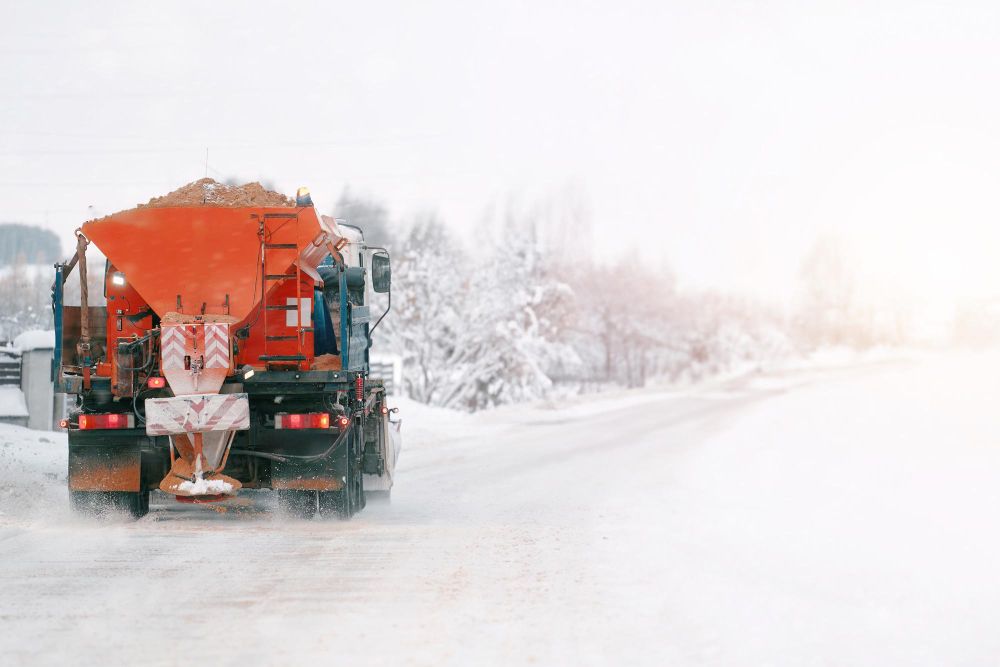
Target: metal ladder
(271,226)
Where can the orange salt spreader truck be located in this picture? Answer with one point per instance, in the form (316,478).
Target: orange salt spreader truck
(231,351)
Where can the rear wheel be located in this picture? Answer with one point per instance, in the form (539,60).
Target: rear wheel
(335,504)
(111,503)
(301,504)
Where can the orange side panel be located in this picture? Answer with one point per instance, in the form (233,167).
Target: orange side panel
(125,320)
(278,324)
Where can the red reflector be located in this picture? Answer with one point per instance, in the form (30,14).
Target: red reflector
(309,420)
(114,420)
(156,383)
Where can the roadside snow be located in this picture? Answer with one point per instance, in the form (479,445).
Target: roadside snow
(36,339)
(12,402)
(32,473)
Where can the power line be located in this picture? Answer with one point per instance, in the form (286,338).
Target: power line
(82,184)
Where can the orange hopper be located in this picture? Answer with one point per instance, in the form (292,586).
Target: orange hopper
(197,254)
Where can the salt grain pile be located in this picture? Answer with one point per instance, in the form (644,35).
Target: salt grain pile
(209,192)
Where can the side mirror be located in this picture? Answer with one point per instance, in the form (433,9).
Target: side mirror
(381,272)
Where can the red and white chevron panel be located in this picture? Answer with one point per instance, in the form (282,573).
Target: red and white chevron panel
(173,346)
(217,345)
(195,340)
(197,413)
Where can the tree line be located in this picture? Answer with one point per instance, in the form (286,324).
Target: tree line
(530,310)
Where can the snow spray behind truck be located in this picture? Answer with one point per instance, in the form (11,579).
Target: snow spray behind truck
(232,352)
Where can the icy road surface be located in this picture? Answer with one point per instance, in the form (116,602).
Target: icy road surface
(817,517)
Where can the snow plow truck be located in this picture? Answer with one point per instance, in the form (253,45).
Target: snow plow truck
(231,350)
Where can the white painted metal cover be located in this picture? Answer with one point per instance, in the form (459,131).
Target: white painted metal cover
(197,413)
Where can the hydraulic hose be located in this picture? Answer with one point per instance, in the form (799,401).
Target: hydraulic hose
(341,439)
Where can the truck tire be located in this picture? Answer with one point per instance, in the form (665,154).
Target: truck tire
(335,504)
(342,504)
(106,504)
(299,504)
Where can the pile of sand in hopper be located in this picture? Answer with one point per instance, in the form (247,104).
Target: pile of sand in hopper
(209,192)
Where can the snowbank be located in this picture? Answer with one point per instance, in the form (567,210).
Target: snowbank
(33,467)
(12,402)
(35,339)
(425,424)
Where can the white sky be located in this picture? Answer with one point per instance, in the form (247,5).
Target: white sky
(722,137)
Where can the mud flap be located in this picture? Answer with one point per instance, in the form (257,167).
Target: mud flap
(306,476)
(105,469)
(386,447)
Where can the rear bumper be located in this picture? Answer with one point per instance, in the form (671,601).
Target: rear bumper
(197,412)
(131,460)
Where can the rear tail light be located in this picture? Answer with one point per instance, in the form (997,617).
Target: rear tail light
(156,383)
(343,422)
(106,421)
(309,420)
(385,410)
(63,423)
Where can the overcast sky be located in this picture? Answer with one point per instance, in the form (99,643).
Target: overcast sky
(720,137)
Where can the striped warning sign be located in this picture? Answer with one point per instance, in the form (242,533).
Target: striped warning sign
(173,346)
(216,345)
(197,413)
(210,341)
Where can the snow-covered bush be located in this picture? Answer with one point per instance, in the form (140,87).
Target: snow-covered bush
(521,317)
(474,331)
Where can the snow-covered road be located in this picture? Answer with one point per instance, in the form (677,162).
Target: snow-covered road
(826,516)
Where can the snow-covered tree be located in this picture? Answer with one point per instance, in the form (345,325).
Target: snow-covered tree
(25,299)
(522,314)
(430,295)
(513,343)
(843,303)
(28,244)
(477,330)
(368,213)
